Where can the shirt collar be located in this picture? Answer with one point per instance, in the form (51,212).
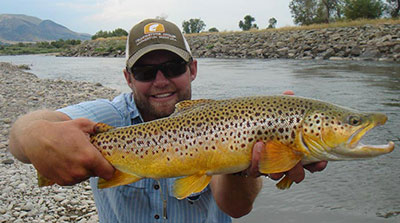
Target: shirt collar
(134,113)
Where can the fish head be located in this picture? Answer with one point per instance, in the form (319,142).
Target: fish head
(332,132)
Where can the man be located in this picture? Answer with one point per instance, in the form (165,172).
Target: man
(159,70)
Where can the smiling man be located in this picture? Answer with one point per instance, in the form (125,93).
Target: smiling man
(159,70)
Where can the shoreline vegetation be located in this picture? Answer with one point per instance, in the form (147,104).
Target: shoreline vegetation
(377,40)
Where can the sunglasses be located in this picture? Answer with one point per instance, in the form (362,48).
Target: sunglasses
(170,69)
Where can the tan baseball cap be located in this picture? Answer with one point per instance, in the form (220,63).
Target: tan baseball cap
(155,34)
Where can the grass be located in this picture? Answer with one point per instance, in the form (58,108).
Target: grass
(351,23)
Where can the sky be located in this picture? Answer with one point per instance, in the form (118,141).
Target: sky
(90,16)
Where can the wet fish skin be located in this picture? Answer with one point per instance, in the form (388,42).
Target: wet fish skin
(207,137)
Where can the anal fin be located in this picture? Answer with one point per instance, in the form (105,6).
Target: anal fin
(184,187)
(118,179)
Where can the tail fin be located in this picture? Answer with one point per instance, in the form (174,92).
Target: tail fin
(43,181)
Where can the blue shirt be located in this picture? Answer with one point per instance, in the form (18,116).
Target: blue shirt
(146,200)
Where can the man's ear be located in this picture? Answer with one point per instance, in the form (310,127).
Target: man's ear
(193,69)
(128,78)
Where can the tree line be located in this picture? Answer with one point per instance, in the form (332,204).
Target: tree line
(307,12)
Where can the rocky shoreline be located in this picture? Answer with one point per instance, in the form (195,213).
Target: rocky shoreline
(366,42)
(21,200)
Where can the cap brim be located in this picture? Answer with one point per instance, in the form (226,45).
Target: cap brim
(180,52)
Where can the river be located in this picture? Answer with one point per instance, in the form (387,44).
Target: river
(361,191)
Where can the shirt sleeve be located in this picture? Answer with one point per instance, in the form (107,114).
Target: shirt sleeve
(100,110)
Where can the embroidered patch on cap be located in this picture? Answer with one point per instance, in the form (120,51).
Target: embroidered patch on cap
(154,28)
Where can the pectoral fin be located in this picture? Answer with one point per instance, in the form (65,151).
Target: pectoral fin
(184,187)
(285,183)
(278,158)
(119,178)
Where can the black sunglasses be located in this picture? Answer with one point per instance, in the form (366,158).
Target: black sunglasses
(170,69)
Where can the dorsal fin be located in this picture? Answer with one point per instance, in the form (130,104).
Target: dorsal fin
(188,104)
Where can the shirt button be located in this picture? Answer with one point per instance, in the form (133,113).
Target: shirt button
(156,216)
(156,187)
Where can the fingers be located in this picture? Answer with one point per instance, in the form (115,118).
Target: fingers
(316,167)
(253,169)
(288,92)
(67,156)
(296,174)
(101,167)
(85,125)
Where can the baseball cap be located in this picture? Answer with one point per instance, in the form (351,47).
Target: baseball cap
(155,34)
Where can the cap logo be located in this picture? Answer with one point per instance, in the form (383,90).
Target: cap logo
(154,28)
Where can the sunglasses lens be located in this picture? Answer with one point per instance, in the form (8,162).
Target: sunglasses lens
(174,69)
(144,73)
(149,72)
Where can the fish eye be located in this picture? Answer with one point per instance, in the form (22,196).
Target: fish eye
(354,120)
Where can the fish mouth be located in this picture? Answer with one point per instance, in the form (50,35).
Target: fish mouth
(355,149)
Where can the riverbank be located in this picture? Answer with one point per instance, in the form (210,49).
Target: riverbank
(376,42)
(21,200)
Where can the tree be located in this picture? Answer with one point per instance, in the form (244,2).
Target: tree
(248,23)
(393,8)
(272,23)
(369,9)
(303,12)
(193,26)
(213,30)
(106,34)
(306,12)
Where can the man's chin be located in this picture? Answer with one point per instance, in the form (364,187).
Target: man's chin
(163,110)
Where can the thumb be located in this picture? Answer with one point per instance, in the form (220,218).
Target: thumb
(85,125)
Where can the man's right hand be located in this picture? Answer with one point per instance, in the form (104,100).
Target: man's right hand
(59,150)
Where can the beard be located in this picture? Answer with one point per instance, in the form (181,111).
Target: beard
(155,110)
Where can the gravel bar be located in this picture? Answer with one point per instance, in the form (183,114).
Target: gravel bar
(21,199)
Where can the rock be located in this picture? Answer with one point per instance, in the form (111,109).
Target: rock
(7,161)
(370,53)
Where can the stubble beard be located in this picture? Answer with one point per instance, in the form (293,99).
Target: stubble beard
(159,110)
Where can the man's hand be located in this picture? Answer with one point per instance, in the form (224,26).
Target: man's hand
(296,174)
(59,150)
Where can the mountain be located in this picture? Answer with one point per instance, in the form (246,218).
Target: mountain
(22,28)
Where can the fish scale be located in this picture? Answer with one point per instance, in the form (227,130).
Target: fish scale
(207,137)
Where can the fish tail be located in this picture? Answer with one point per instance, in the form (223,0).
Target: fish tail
(43,181)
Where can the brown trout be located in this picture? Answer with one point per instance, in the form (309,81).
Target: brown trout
(207,137)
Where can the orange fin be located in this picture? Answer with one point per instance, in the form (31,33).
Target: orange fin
(184,187)
(278,158)
(285,183)
(102,127)
(118,179)
(187,104)
(43,181)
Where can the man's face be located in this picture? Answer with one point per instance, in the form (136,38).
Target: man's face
(157,98)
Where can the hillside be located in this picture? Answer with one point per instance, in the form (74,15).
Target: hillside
(22,28)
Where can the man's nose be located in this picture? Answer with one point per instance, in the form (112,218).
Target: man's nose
(160,79)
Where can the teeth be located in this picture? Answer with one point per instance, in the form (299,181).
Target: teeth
(162,95)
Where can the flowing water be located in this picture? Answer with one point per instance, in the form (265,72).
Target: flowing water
(362,191)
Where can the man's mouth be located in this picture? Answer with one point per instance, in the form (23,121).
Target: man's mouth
(164,95)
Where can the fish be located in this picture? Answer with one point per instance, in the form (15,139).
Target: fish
(207,137)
